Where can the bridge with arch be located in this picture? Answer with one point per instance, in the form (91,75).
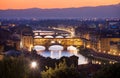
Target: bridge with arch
(62,36)
(47,38)
(62,41)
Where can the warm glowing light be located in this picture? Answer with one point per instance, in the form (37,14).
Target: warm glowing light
(21,44)
(104,51)
(119,54)
(59,41)
(33,64)
(99,63)
(30,48)
(52,41)
(110,62)
(109,52)
(114,53)
(36,33)
(88,46)
(99,51)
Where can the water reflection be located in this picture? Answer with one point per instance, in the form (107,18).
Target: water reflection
(55,54)
(59,54)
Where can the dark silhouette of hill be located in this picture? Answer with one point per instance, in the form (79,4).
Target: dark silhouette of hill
(85,12)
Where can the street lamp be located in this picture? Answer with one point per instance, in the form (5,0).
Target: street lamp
(34,69)
(33,64)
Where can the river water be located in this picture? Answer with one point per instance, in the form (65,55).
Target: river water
(59,54)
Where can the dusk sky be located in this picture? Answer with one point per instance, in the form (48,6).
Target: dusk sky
(22,4)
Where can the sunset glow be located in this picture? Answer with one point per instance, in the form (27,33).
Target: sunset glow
(22,4)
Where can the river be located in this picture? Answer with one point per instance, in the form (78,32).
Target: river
(59,54)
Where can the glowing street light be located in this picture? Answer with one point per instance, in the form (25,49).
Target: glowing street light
(33,64)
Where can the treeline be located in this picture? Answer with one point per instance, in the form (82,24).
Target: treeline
(49,62)
(20,67)
(65,67)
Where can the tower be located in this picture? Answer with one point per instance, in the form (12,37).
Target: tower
(26,38)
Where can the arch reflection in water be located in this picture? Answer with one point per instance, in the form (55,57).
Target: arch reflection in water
(72,49)
(39,48)
(55,51)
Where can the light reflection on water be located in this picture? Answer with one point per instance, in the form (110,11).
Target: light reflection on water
(57,55)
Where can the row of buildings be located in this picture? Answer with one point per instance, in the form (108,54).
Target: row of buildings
(106,39)
(15,38)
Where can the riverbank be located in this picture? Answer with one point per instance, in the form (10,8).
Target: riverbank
(92,55)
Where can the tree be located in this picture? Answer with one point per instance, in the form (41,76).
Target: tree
(61,71)
(11,67)
(109,71)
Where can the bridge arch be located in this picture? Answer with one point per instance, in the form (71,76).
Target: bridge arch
(48,36)
(39,48)
(72,49)
(37,36)
(56,49)
(59,36)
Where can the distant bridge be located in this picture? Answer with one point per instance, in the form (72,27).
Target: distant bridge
(70,30)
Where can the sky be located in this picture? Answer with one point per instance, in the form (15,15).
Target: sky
(47,4)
